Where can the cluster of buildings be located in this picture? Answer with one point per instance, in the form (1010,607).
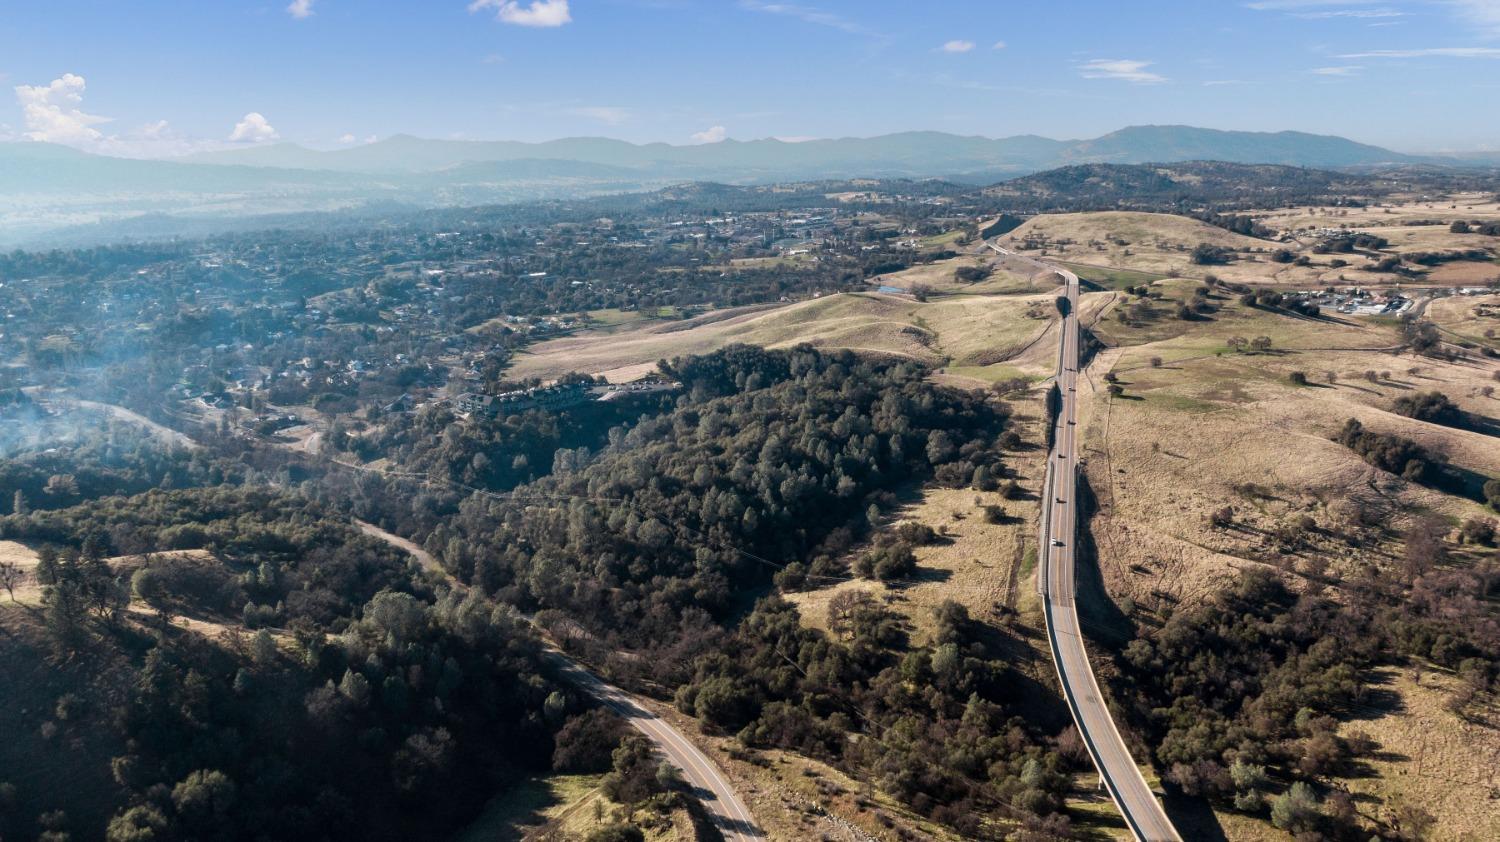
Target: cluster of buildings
(507,403)
(1357,301)
(553,398)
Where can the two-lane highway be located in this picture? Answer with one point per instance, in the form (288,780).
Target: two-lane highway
(1121,776)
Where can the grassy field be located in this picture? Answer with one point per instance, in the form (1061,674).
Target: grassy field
(977,564)
(1170,336)
(967,331)
(1468,318)
(1157,245)
(946,240)
(1409,225)
(25,558)
(1429,756)
(1006,276)
(1184,438)
(771,261)
(1210,427)
(1111,278)
(1465,273)
(1129,229)
(555,804)
(615,316)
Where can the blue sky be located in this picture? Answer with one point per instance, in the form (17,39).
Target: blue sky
(156,77)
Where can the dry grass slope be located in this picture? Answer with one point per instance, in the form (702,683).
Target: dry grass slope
(976,331)
(1210,427)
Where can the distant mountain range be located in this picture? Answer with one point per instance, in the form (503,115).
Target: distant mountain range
(45,187)
(908,154)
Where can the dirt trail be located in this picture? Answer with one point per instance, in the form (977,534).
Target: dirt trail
(423,557)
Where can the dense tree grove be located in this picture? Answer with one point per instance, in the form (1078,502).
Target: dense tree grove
(1351,242)
(82,461)
(368,708)
(1235,222)
(496,454)
(772,457)
(777,462)
(937,725)
(1387,451)
(1411,461)
(1207,254)
(414,704)
(282,558)
(1430,406)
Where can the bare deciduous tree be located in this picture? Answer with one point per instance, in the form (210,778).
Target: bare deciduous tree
(11,577)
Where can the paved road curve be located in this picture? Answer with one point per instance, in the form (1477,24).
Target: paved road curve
(710,785)
(1142,812)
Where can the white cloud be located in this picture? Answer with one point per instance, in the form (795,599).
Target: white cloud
(347,138)
(300,9)
(1128,70)
(999,45)
(253,129)
(52,113)
(713,134)
(1430,52)
(608,114)
(1359,14)
(957,46)
(1344,70)
(795,138)
(1484,14)
(806,14)
(542,13)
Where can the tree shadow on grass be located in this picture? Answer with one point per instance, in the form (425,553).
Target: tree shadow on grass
(1459,481)
(509,815)
(1377,700)
(923,575)
(1481,424)
(1097,612)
